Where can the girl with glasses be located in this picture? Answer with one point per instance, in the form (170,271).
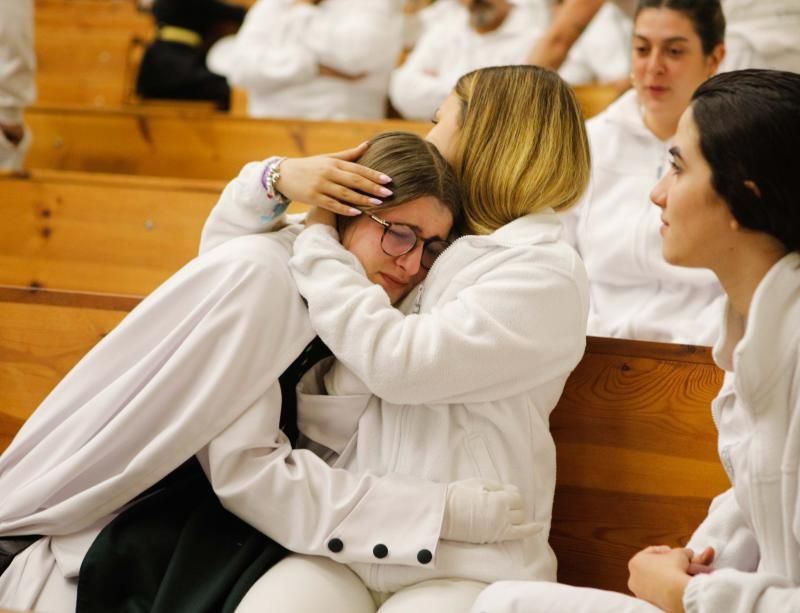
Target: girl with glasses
(465,374)
(188,390)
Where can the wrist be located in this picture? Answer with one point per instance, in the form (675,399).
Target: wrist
(270,175)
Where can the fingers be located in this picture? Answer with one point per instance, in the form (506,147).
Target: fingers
(698,569)
(334,206)
(520,531)
(705,557)
(350,154)
(365,179)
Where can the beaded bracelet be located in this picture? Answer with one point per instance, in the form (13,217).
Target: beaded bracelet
(269,177)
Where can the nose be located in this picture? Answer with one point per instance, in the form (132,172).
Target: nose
(655,63)
(658,195)
(411,262)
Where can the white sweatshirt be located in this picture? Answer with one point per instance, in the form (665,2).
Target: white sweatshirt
(634,292)
(277,54)
(755,526)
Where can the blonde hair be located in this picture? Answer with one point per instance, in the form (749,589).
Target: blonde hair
(522,146)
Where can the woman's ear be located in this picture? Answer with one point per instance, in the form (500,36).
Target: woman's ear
(715,59)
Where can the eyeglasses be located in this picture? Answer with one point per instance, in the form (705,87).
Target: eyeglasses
(399,239)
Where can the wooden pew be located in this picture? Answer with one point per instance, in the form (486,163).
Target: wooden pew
(83,50)
(637,459)
(183,144)
(101,233)
(635,441)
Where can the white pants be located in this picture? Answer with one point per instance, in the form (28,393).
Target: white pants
(543,597)
(309,584)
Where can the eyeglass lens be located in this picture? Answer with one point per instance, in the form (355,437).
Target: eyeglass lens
(399,239)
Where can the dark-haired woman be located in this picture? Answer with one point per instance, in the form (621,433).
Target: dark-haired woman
(677,44)
(729,204)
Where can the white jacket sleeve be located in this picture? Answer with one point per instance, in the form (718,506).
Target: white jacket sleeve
(507,331)
(359,36)
(297,499)
(243,208)
(734,591)
(417,88)
(726,530)
(17,59)
(270,49)
(178,370)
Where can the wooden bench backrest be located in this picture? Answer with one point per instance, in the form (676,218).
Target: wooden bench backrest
(83,50)
(100,233)
(184,144)
(636,447)
(637,460)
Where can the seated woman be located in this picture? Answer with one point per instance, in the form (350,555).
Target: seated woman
(466,373)
(193,372)
(677,44)
(729,204)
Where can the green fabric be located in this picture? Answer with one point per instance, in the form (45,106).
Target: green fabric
(176,550)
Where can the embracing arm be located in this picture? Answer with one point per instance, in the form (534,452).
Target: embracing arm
(569,22)
(417,87)
(517,325)
(327,181)
(307,506)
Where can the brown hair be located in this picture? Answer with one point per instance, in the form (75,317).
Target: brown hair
(417,169)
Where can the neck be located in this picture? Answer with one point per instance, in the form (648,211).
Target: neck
(741,273)
(663,125)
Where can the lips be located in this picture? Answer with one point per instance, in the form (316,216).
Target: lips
(657,90)
(393,282)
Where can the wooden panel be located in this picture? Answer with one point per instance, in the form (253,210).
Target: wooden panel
(41,338)
(101,233)
(105,234)
(594,98)
(83,50)
(637,461)
(204,146)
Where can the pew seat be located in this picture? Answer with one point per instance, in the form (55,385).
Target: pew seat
(636,445)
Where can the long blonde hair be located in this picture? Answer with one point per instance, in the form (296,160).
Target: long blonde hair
(522,145)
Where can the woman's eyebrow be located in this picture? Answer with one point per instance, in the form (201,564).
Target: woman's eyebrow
(676,153)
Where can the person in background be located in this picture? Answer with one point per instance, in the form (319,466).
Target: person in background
(729,204)
(17,85)
(677,44)
(314,59)
(761,33)
(602,55)
(477,34)
(174,64)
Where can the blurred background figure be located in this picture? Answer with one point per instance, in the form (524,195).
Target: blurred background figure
(676,46)
(174,65)
(602,54)
(17,87)
(472,35)
(323,59)
(761,33)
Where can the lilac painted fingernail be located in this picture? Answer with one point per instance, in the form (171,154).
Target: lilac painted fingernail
(375,201)
(385,191)
(385,179)
(353,212)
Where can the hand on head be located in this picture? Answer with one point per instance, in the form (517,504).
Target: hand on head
(333,182)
